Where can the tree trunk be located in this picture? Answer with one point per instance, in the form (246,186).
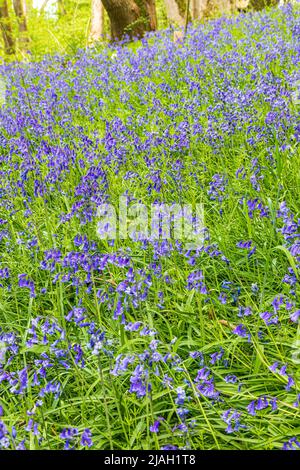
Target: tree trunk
(241,5)
(210,8)
(97,21)
(130,17)
(198,9)
(182,4)
(20,11)
(151,14)
(6,29)
(173,13)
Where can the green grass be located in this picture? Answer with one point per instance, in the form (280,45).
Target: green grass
(158,110)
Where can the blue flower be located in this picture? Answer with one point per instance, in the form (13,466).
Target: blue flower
(155,426)
(86,438)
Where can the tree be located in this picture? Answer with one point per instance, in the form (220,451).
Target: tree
(201,9)
(20,11)
(196,7)
(6,29)
(130,17)
(173,12)
(241,5)
(97,21)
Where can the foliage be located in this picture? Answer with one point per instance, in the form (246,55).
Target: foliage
(145,344)
(63,34)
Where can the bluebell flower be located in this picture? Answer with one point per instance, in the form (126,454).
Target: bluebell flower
(155,426)
(86,438)
(291,444)
(290,383)
(230,378)
(295,316)
(240,330)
